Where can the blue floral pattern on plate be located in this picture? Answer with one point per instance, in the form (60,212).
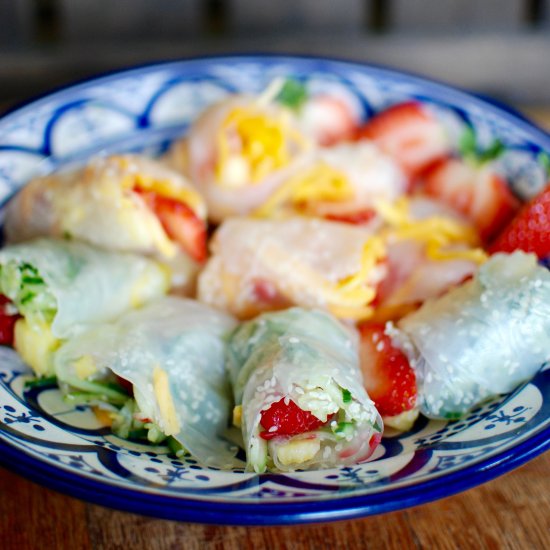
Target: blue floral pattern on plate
(144,110)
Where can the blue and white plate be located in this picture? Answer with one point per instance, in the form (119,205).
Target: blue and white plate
(143,110)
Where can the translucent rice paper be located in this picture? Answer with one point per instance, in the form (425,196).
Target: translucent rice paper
(172,351)
(96,204)
(482,338)
(300,261)
(89,285)
(371,175)
(309,357)
(196,156)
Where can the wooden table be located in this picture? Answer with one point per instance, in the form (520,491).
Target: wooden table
(512,511)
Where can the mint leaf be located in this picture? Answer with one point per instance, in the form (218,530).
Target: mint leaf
(544,161)
(346,396)
(293,94)
(470,150)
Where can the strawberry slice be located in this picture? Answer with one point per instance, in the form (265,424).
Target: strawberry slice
(476,191)
(529,230)
(7,322)
(126,385)
(287,419)
(359,217)
(180,223)
(408,133)
(389,379)
(328,119)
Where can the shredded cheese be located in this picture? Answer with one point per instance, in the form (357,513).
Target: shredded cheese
(318,183)
(166,188)
(437,232)
(348,298)
(251,145)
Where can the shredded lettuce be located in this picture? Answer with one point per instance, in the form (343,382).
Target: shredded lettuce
(86,391)
(24,286)
(41,382)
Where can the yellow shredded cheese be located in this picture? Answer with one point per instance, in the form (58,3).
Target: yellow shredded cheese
(318,183)
(348,298)
(437,232)
(166,188)
(161,388)
(251,145)
(163,187)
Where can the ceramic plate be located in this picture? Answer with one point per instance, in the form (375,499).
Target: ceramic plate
(143,110)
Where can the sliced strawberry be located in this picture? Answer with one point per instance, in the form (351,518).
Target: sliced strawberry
(126,385)
(180,223)
(529,230)
(356,218)
(477,192)
(328,119)
(7,321)
(267,293)
(287,419)
(408,133)
(389,379)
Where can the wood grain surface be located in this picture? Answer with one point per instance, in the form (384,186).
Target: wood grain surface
(510,512)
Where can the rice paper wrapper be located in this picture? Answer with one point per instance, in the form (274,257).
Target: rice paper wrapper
(482,338)
(310,358)
(95,204)
(89,285)
(301,260)
(172,351)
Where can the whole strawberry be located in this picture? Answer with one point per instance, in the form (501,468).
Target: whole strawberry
(529,230)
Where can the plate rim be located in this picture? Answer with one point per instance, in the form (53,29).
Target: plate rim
(192,510)
(288,513)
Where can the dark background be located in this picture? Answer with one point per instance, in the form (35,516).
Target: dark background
(497,47)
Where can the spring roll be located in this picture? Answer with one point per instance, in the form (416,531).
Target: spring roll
(262,265)
(60,287)
(299,394)
(342,182)
(482,338)
(239,151)
(171,352)
(123,203)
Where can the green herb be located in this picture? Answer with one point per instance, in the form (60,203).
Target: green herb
(27,298)
(346,396)
(32,280)
(468,144)
(343,429)
(544,161)
(41,382)
(492,152)
(293,94)
(470,150)
(175,447)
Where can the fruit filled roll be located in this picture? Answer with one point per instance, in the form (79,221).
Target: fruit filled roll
(157,374)
(263,265)
(299,394)
(124,203)
(482,338)
(240,150)
(53,289)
